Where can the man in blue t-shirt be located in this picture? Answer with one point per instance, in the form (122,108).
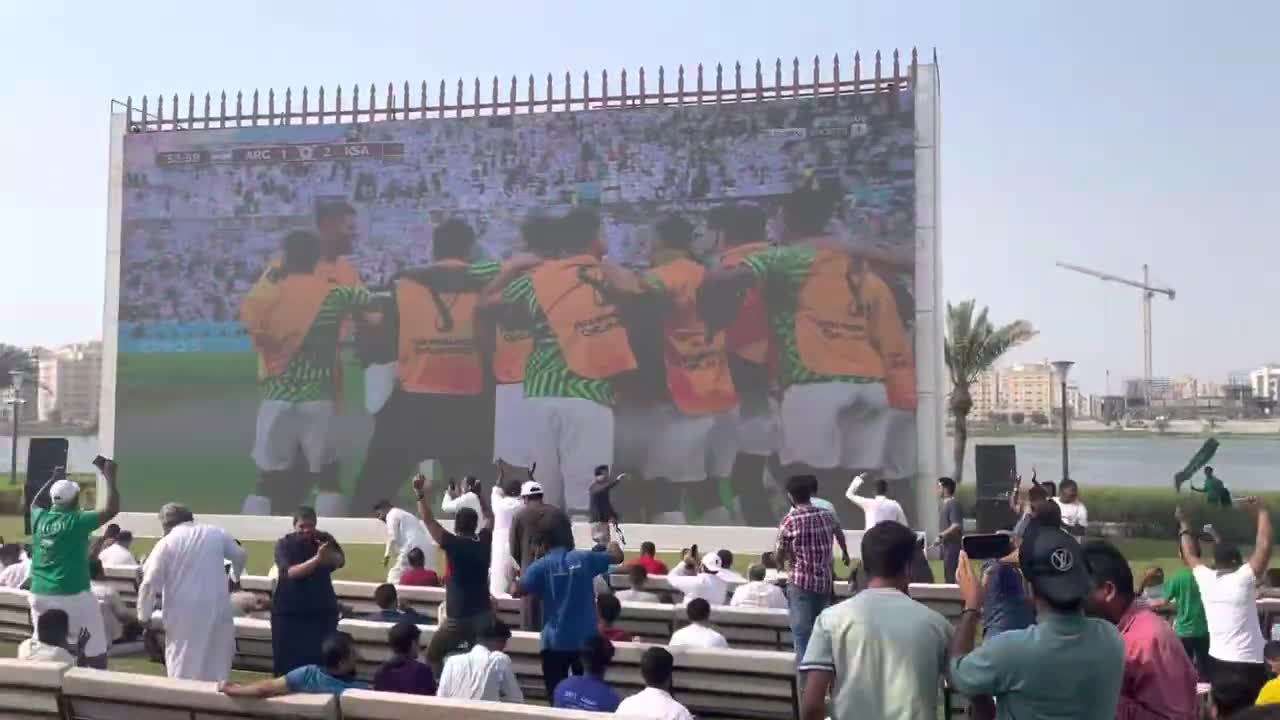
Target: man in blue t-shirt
(590,691)
(333,677)
(563,580)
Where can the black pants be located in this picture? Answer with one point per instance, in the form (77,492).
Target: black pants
(296,640)
(1198,651)
(1249,676)
(556,665)
(457,430)
(453,634)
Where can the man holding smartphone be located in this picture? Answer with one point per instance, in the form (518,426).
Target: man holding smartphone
(60,533)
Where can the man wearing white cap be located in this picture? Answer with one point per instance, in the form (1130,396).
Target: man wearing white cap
(707,584)
(186,568)
(60,557)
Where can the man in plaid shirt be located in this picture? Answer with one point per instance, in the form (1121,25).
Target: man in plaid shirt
(804,542)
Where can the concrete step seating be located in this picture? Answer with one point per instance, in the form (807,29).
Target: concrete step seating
(711,683)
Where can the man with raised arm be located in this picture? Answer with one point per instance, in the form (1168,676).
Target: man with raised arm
(1229,593)
(468,610)
(60,533)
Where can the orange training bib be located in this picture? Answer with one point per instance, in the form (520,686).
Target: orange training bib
(438,350)
(697,368)
(588,327)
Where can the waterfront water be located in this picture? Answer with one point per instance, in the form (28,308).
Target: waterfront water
(1252,463)
(1138,460)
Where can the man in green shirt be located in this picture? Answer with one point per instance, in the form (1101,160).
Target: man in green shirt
(1182,595)
(60,557)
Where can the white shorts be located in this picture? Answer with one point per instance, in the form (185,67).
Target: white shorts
(571,437)
(283,427)
(511,430)
(900,445)
(835,425)
(661,442)
(82,611)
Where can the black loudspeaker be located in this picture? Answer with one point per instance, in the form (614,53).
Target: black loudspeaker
(996,467)
(46,458)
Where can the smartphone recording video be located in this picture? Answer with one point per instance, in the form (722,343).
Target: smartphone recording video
(987,547)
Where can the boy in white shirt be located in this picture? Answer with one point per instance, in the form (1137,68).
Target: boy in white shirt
(876,509)
(1075,518)
(655,700)
(759,593)
(17,568)
(50,642)
(636,593)
(698,634)
(118,552)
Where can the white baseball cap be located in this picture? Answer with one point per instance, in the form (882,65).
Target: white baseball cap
(530,488)
(711,562)
(64,492)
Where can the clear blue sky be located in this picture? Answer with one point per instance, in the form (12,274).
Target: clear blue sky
(1103,133)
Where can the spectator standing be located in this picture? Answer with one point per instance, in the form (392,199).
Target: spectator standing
(186,568)
(804,541)
(119,552)
(526,540)
(17,569)
(418,574)
(825,505)
(403,673)
(636,593)
(390,609)
(698,633)
(648,558)
(701,580)
(563,580)
(108,536)
(609,609)
(589,691)
(505,502)
(484,672)
(1067,666)
(51,641)
(1183,594)
(603,515)
(60,556)
(404,535)
(1005,605)
(1159,680)
(882,654)
(304,610)
(468,610)
(334,674)
(876,509)
(468,496)
(950,528)
(1230,595)
(1270,694)
(757,593)
(655,701)
(1075,517)
(117,618)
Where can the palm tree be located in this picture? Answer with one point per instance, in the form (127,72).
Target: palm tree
(972,346)
(13,358)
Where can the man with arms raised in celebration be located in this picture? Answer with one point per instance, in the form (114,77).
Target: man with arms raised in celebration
(845,357)
(60,557)
(295,324)
(580,348)
(440,410)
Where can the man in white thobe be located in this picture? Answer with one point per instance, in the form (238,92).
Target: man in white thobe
(404,533)
(186,570)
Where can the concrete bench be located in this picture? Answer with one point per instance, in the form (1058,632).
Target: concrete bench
(105,695)
(368,705)
(712,683)
(15,615)
(125,580)
(30,689)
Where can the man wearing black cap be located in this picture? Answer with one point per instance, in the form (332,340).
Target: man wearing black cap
(1067,666)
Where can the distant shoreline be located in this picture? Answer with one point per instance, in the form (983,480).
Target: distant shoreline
(1135,434)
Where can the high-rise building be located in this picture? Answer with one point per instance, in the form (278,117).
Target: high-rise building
(70,383)
(1029,388)
(1265,381)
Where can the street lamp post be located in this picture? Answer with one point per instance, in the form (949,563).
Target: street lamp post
(15,404)
(1063,367)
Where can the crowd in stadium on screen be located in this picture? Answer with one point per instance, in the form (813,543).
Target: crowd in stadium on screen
(197,237)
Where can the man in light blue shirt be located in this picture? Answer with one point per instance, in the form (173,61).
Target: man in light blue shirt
(1067,667)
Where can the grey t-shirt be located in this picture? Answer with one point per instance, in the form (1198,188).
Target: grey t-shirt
(949,514)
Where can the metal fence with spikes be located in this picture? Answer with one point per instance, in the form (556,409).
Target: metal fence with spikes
(699,85)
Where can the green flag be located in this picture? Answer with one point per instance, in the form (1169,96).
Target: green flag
(1201,458)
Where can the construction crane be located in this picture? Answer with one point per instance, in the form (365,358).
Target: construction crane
(1148,292)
